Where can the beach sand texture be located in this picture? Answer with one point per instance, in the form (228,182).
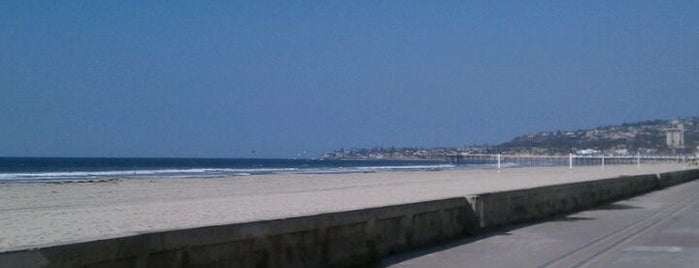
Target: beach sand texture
(42,214)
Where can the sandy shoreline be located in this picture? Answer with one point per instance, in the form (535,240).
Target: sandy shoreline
(38,214)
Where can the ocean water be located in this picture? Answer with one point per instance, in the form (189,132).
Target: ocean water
(46,169)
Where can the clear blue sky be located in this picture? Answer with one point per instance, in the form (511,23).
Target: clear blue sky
(224,78)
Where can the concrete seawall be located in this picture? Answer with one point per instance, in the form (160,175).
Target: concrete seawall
(351,238)
(519,206)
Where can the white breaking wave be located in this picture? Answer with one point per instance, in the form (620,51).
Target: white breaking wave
(130,173)
(416,167)
(203,172)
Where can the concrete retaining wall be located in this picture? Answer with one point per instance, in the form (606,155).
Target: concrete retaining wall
(341,239)
(674,178)
(512,207)
(329,240)
(519,206)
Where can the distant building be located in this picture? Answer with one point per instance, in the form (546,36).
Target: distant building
(674,137)
(622,151)
(588,152)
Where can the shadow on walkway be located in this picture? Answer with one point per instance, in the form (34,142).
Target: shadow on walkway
(502,231)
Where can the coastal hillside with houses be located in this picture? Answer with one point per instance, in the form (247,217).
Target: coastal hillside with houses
(653,137)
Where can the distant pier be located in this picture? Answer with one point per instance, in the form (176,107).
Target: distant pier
(455,158)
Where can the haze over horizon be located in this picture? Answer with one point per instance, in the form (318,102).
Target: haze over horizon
(277,79)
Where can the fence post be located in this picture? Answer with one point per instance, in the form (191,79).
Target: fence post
(602,161)
(498,163)
(638,161)
(570,161)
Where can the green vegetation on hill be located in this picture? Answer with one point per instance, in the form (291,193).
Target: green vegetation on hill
(646,137)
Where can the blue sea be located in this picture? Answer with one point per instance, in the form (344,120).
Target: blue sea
(45,169)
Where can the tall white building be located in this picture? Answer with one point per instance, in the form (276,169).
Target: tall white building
(674,137)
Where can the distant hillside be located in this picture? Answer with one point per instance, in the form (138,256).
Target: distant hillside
(391,153)
(647,137)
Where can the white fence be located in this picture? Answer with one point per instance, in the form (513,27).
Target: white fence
(500,161)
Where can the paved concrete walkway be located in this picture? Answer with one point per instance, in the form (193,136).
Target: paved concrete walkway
(33,215)
(659,229)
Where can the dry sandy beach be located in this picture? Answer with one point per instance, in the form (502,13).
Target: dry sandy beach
(39,214)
